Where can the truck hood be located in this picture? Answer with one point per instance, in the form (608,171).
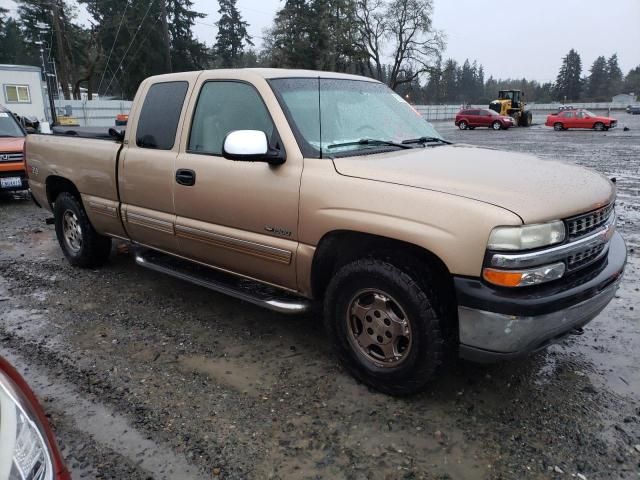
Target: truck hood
(11,144)
(536,190)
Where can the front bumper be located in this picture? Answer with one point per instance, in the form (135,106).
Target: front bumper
(498,324)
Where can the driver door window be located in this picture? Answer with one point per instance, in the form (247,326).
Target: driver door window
(222,108)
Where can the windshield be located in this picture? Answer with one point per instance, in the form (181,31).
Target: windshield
(339,116)
(8,126)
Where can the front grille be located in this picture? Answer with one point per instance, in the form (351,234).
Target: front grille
(11,157)
(585,257)
(588,222)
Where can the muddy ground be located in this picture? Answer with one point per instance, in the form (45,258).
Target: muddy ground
(144,376)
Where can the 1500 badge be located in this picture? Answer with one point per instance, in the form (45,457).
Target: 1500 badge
(283,232)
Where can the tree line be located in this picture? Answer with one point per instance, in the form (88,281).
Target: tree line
(391,40)
(605,79)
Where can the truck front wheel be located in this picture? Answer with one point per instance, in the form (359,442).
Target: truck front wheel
(80,243)
(384,326)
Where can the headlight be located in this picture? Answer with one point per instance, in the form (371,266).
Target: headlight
(526,237)
(523,278)
(24,452)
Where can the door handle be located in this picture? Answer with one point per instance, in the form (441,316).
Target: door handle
(186,177)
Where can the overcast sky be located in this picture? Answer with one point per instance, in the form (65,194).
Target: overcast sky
(511,38)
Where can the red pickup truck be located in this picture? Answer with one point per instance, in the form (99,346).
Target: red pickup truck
(12,172)
(579,118)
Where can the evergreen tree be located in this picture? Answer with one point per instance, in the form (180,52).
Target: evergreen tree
(187,53)
(3,20)
(127,39)
(289,42)
(13,49)
(632,81)
(466,82)
(480,91)
(432,91)
(333,37)
(232,34)
(449,86)
(52,23)
(568,82)
(615,76)
(598,81)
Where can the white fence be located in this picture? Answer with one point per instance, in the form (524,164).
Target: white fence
(102,113)
(447,112)
(93,113)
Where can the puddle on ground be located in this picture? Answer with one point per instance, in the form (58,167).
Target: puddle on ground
(248,378)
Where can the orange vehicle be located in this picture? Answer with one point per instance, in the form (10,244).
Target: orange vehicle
(12,168)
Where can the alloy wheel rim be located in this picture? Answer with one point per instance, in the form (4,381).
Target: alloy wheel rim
(71,231)
(378,328)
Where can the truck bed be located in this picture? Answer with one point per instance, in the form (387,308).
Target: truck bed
(86,132)
(87,162)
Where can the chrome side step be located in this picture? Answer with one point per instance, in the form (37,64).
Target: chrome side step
(238,287)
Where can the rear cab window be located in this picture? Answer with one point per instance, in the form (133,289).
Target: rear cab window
(160,114)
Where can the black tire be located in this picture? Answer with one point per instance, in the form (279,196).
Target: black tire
(598,126)
(558,127)
(462,125)
(471,128)
(496,125)
(527,119)
(92,248)
(426,352)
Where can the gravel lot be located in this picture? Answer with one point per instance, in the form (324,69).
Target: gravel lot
(144,376)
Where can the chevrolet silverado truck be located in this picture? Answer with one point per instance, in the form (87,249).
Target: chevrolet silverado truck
(290,188)
(12,174)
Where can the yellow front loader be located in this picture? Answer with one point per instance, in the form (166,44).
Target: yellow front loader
(511,103)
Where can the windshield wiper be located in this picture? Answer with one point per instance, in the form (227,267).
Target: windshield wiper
(425,140)
(369,141)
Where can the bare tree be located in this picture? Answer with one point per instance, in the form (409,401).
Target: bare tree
(402,32)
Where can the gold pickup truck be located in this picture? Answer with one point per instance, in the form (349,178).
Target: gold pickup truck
(285,188)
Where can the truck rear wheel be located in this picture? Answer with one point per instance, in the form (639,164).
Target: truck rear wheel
(80,243)
(384,326)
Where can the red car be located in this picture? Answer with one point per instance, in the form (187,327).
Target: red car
(28,449)
(482,118)
(579,118)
